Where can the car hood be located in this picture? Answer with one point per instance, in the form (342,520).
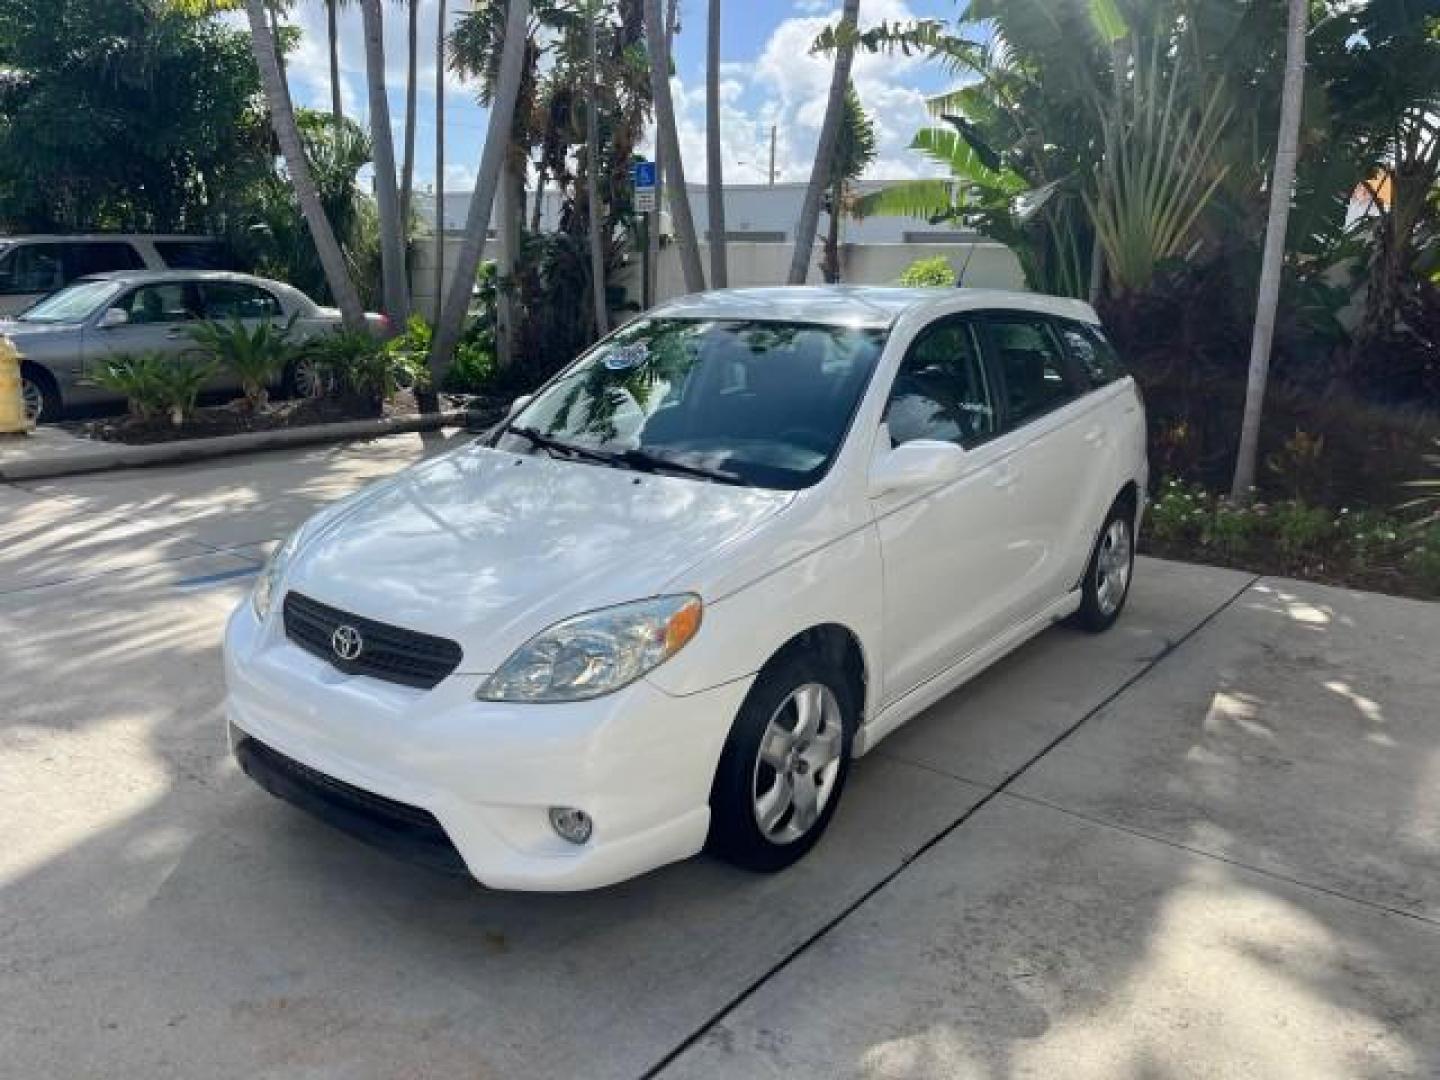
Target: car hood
(19,332)
(489,548)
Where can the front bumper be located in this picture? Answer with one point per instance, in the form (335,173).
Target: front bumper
(640,762)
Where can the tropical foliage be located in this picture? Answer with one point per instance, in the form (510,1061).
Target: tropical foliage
(255,354)
(154,385)
(933,273)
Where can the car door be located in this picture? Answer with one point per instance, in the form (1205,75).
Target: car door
(945,560)
(158,318)
(1056,437)
(226,301)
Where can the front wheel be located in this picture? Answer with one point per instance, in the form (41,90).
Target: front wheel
(1106,585)
(39,394)
(784,766)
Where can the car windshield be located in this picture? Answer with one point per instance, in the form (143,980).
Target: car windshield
(765,404)
(72,304)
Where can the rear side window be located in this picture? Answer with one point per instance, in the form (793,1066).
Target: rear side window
(32,268)
(100,257)
(167,302)
(940,391)
(226,300)
(1027,354)
(1094,356)
(195,254)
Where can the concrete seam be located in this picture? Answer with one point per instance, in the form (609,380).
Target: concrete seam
(785,961)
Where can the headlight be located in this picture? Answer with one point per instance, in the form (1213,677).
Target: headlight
(263,595)
(596,653)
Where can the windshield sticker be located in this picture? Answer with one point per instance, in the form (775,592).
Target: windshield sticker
(627,357)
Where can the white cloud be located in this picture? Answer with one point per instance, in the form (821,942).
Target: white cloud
(787,86)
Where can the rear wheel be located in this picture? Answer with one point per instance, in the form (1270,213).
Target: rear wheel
(1107,579)
(784,765)
(40,394)
(304,378)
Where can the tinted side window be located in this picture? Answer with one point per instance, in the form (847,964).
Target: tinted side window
(1031,364)
(100,258)
(1093,355)
(195,254)
(169,302)
(940,391)
(32,268)
(235,300)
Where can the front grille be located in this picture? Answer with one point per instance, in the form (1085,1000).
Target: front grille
(399,828)
(388,652)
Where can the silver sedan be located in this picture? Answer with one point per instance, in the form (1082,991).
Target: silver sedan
(148,311)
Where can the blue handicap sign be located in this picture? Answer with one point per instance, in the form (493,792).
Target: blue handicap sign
(642,174)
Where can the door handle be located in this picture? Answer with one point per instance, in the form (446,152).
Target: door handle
(1004,477)
(175,333)
(1096,435)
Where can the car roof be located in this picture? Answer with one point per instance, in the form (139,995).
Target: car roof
(102,237)
(874,306)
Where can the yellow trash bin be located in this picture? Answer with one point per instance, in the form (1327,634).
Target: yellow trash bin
(13,420)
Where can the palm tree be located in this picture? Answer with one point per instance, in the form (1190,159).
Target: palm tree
(492,159)
(714,169)
(282,118)
(440,28)
(825,151)
(1282,183)
(854,151)
(394,285)
(667,144)
(592,176)
(332,31)
(407,168)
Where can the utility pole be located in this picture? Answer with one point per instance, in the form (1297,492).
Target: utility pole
(772,155)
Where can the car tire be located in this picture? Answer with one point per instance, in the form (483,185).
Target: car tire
(1106,585)
(303,379)
(40,393)
(784,766)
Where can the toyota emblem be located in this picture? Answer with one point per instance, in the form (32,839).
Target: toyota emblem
(347,642)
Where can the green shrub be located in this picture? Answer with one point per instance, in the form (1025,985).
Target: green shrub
(1298,528)
(473,371)
(255,356)
(932,273)
(356,363)
(154,384)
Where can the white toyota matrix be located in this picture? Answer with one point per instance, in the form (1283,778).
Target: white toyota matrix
(705,566)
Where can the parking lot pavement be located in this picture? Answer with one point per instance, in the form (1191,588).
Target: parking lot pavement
(1203,844)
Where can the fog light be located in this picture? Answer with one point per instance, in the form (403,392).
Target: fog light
(572,825)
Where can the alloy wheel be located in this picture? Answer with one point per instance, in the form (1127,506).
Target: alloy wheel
(798,763)
(1112,568)
(33,398)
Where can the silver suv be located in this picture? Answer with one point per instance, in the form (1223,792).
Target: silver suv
(35,266)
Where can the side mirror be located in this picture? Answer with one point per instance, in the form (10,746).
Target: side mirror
(519,403)
(922,463)
(114,317)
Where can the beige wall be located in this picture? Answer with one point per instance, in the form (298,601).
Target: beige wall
(984,264)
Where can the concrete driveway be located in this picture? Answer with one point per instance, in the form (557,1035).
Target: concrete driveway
(1205,844)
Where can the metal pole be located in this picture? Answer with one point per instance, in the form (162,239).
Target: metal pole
(772,155)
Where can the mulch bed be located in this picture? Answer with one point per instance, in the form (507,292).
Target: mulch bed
(233,418)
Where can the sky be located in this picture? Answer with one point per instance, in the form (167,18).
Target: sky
(768,77)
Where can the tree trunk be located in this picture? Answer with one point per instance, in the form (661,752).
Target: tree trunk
(407,169)
(825,152)
(282,118)
(394,286)
(592,182)
(440,28)
(667,145)
(714,166)
(332,11)
(539,204)
(492,160)
(830,262)
(1282,183)
(512,210)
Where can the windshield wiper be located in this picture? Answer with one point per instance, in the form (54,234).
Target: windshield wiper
(647,462)
(557,446)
